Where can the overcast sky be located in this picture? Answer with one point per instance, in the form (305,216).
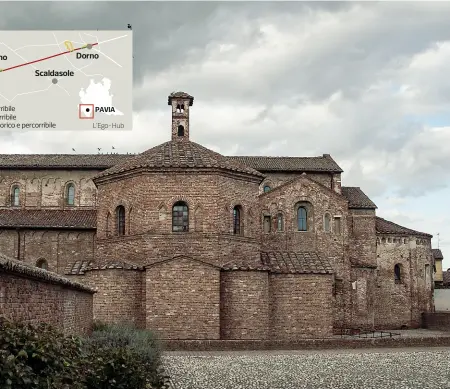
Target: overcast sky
(368,83)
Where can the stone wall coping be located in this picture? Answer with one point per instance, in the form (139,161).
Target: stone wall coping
(13,266)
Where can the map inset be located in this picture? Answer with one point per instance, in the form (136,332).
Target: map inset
(66,80)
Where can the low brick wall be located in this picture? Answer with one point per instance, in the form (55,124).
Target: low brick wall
(436,321)
(32,295)
(305,344)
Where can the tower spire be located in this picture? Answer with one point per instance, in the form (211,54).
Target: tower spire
(180,102)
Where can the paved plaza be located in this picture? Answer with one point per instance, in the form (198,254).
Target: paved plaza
(406,368)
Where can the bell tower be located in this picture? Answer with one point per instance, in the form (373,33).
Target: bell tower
(180,103)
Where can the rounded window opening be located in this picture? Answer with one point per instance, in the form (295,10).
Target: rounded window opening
(180,217)
(42,264)
(266,188)
(15,196)
(120,220)
(180,130)
(70,194)
(237,220)
(397,274)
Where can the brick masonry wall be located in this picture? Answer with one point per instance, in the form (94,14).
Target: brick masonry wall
(183,299)
(46,188)
(300,306)
(244,312)
(402,304)
(276,179)
(33,300)
(119,297)
(58,248)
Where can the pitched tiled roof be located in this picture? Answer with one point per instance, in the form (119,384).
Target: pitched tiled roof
(61,161)
(308,164)
(446,277)
(179,154)
(290,262)
(182,95)
(14,266)
(437,254)
(384,226)
(357,198)
(36,218)
(80,267)
(106,161)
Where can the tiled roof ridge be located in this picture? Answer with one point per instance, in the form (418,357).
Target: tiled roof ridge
(268,163)
(11,265)
(357,199)
(297,262)
(437,254)
(179,154)
(80,267)
(49,218)
(401,230)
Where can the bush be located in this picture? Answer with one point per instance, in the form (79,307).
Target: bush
(135,347)
(38,357)
(115,357)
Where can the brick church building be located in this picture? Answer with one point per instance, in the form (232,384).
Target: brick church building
(197,245)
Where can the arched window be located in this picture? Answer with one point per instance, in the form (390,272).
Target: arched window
(15,196)
(180,217)
(266,188)
(280,222)
(42,263)
(180,130)
(70,194)
(237,221)
(120,220)
(327,222)
(397,274)
(302,222)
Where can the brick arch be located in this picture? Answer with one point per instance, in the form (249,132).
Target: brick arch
(176,199)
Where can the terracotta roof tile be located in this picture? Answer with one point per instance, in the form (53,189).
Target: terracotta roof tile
(11,265)
(45,218)
(384,226)
(179,154)
(357,198)
(58,161)
(291,262)
(308,164)
(106,161)
(446,277)
(182,95)
(437,254)
(80,267)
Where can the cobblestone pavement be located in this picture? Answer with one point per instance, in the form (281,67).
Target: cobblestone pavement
(426,368)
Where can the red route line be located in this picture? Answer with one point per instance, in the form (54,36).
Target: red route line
(45,58)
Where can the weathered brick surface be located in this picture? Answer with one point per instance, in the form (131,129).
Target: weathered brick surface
(34,300)
(46,188)
(58,248)
(300,306)
(119,296)
(183,299)
(401,304)
(244,298)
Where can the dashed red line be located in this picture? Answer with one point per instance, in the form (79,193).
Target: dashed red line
(45,58)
